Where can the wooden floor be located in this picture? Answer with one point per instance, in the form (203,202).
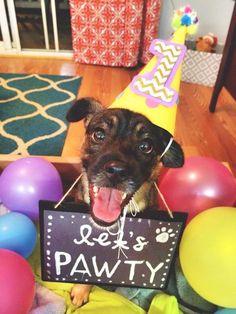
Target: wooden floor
(202,132)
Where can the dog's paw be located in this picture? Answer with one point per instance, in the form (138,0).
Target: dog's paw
(80,294)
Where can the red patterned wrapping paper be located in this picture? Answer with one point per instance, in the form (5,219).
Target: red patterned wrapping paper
(109,32)
(151,18)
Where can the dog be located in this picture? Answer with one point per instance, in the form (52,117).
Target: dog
(121,157)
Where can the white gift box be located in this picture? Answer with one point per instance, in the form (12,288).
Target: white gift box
(201,67)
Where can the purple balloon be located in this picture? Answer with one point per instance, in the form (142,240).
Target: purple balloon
(26,181)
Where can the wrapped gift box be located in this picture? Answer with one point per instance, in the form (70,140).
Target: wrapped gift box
(115,32)
(151,17)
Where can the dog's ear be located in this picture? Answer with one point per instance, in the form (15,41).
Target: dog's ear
(83,108)
(171,153)
(174,156)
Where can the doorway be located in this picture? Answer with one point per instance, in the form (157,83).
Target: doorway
(35,27)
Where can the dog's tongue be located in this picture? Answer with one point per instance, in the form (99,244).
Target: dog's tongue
(106,205)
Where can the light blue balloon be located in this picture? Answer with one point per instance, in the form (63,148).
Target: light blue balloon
(17,233)
(226,311)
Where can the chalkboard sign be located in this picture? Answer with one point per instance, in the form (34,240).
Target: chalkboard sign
(75,249)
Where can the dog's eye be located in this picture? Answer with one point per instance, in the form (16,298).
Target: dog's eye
(146,147)
(98,135)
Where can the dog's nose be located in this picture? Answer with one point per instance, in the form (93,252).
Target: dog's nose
(115,169)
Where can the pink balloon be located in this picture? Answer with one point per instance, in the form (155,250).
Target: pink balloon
(26,181)
(17,284)
(200,184)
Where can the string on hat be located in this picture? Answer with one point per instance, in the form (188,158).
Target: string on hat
(167,147)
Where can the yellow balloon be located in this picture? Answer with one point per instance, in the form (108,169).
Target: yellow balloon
(208,255)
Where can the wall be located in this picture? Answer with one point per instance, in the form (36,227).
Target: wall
(214,16)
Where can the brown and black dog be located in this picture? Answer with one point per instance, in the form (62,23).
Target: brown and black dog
(121,157)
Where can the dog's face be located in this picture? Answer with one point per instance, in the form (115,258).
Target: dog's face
(120,153)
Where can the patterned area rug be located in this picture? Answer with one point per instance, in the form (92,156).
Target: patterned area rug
(32,112)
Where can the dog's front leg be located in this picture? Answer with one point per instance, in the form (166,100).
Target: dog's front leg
(80,294)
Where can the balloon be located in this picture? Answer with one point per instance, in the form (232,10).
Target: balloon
(226,311)
(26,181)
(200,184)
(16,283)
(17,233)
(208,255)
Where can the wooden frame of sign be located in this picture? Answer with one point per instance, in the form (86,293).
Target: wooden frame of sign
(75,249)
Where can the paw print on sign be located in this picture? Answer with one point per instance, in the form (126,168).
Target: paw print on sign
(163,234)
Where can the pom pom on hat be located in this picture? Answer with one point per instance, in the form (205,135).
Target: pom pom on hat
(185,16)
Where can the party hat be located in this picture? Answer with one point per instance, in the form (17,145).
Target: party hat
(154,91)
